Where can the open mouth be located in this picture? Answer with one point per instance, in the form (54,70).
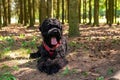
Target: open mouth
(54,41)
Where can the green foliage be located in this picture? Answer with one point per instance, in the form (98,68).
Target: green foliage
(84,73)
(22,36)
(28,44)
(10,41)
(16,68)
(110,71)
(75,44)
(6,49)
(100,78)
(68,71)
(7,76)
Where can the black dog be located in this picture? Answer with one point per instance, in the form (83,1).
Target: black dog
(53,48)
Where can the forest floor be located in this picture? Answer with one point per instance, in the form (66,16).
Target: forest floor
(94,55)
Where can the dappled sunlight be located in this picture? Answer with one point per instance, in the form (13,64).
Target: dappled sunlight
(116,75)
(19,53)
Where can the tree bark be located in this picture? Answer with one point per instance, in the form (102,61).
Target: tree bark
(96,12)
(5,19)
(79,10)
(62,11)
(0,14)
(25,12)
(30,10)
(58,9)
(9,11)
(49,8)
(73,18)
(90,11)
(43,11)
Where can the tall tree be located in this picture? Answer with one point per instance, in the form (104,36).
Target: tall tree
(106,13)
(90,11)
(43,10)
(58,9)
(39,11)
(84,11)
(33,5)
(21,12)
(111,12)
(73,18)
(115,10)
(9,11)
(25,12)
(0,13)
(96,12)
(79,10)
(49,8)
(5,19)
(30,11)
(62,11)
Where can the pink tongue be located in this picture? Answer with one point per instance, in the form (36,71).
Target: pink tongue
(53,41)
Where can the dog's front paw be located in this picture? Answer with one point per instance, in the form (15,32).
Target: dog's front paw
(34,55)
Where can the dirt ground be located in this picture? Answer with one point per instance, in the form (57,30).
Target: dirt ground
(94,55)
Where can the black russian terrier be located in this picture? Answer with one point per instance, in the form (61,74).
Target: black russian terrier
(52,51)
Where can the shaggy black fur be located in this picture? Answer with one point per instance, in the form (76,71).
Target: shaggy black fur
(51,63)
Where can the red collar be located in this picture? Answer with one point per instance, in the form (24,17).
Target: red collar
(50,50)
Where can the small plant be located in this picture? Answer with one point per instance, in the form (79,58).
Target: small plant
(24,44)
(10,41)
(100,78)
(22,36)
(110,71)
(4,66)
(84,73)
(7,76)
(7,49)
(32,43)
(15,67)
(66,71)
(75,44)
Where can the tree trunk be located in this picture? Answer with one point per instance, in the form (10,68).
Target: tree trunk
(115,11)
(62,11)
(40,11)
(96,12)
(73,18)
(79,10)
(107,16)
(25,13)
(49,8)
(30,10)
(21,12)
(43,10)
(33,5)
(111,12)
(5,20)
(9,11)
(58,9)
(90,11)
(0,14)
(84,11)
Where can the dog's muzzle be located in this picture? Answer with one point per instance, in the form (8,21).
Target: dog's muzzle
(54,32)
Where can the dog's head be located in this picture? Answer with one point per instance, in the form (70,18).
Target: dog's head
(51,30)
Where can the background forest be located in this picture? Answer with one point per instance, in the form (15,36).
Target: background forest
(29,12)
(91,27)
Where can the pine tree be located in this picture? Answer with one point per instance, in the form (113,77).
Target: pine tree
(73,18)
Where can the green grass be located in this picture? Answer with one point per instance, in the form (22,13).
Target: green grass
(68,71)
(7,76)
(100,78)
